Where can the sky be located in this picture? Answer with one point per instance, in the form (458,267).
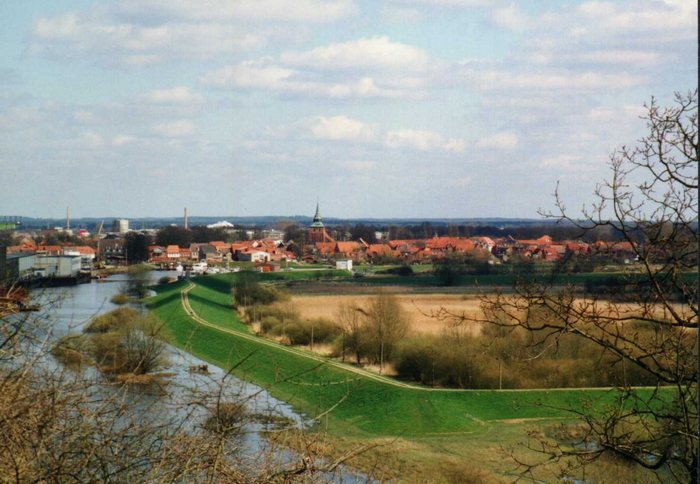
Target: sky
(399,108)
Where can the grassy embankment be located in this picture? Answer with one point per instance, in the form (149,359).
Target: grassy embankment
(362,405)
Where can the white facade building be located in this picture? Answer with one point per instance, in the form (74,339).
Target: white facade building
(120,225)
(57,265)
(254,256)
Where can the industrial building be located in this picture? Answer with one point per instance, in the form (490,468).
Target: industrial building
(120,226)
(57,266)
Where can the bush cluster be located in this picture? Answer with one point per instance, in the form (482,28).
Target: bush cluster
(247,291)
(112,321)
(510,359)
(119,342)
(402,270)
(285,321)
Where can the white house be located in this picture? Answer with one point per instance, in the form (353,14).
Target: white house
(253,256)
(172,252)
(344,264)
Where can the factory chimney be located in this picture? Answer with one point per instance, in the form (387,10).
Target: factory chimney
(186,218)
(67,218)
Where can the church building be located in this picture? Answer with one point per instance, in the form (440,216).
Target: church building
(317,232)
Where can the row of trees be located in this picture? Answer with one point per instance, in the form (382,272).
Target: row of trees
(494,357)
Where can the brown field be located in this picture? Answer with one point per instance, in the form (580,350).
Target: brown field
(427,311)
(423,310)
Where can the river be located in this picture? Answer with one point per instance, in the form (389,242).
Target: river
(67,309)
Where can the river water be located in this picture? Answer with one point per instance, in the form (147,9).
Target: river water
(184,394)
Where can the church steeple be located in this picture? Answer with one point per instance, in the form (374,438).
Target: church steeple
(318,221)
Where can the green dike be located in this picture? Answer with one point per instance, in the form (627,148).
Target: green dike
(362,406)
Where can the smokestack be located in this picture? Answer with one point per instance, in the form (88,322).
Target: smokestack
(186,218)
(67,218)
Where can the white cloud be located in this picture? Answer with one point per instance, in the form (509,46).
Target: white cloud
(396,14)
(608,35)
(257,74)
(123,140)
(175,129)
(561,80)
(499,141)
(304,11)
(116,42)
(341,128)
(175,95)
(84,116)
(422,140)
(357,165)
(368,68)
(561,162)
(614,114)
(669,17)
(510,17)
(624,56)
(90,139)
(264,74)
(376,53)
(460,182)
(453,3)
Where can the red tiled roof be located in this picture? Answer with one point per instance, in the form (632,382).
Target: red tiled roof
(381,250)
(395,243)
(577,246)
(455,243)
(48,248)
(347,247)
(13,249)
(325,247)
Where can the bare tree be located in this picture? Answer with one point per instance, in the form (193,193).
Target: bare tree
(351,320)
(651,319)
(386,324)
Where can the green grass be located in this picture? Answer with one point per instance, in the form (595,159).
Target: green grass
(306,265)
(364,406)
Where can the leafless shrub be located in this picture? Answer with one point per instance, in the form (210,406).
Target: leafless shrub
(651,200)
